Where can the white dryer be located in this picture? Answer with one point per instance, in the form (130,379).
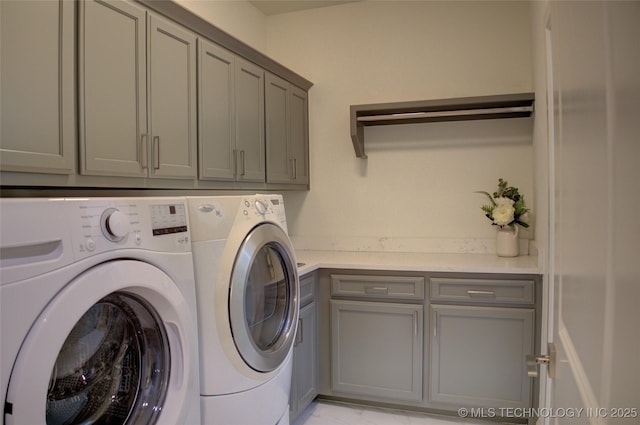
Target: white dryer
(248,302)
(97,312)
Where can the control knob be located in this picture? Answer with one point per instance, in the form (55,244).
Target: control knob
(261,207)
(115,224)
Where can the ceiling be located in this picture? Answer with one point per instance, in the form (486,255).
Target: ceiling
(277,7)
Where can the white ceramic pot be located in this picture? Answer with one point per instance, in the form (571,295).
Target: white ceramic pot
(507,241)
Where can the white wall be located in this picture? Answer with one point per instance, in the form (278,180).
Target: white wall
(417,184)
(237,18)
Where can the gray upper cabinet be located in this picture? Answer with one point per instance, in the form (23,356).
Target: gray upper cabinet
(299,114)
(126,130)
(113,89)
(287,132)
(249,124)
(37,127)
(216,129)
(145,93)
(172,100)
(231,116)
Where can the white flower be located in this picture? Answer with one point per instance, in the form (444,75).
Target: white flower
(504,201)
(503,213)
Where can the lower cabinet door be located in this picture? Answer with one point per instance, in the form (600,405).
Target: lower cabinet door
(377,350)
(478,356)
(304,386)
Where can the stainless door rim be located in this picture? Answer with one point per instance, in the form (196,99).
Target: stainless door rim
(264,234)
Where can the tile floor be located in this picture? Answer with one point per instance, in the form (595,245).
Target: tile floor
(332,413)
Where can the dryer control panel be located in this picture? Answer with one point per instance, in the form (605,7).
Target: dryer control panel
(264,207)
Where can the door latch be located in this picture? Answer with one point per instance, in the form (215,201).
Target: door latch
(547,359)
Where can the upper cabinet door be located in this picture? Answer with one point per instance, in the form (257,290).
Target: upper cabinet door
(216,124)
(287,132)
(250,149)
(37,125)
(113,95)
(299,134)
(172,100)
(279,158)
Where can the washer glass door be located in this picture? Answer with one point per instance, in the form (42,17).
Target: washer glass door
(113,366)
(263,303)
(109,348)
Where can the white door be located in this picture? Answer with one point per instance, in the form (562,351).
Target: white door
(596,267)
(109,348)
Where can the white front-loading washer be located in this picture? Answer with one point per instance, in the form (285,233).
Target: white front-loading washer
(98,320)
(248,302)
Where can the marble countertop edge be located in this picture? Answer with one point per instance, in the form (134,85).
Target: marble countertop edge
(311,260)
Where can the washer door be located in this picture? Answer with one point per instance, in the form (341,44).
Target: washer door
(107,350)
(263,300)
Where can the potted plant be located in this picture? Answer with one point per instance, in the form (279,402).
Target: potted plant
(507,211)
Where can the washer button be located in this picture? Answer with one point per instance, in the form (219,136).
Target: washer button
(90,244)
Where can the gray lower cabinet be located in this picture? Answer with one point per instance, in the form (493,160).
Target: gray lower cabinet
(287,132)
(482,329)
(377,336)
(137,93)
(478,330)
(377,349)
(304,383)
(478,356)
(37,120)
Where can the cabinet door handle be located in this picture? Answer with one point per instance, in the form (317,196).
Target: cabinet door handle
(300,334)
(156,152)
(143,151)
(235,162)
(415,323)
(242,163)
(474,293)
(376,290)
(435,326)
(294,169)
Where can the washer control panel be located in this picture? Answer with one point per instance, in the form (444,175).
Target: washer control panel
(102,224)
(168,219)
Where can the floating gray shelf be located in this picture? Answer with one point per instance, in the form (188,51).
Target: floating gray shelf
(458,109)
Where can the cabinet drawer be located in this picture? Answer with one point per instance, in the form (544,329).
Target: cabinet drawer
(307,289)
(482,290)
(392,287)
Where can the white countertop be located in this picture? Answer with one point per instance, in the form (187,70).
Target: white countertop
(416,262)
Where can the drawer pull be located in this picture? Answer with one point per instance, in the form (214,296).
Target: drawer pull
(475,293)
(376,290)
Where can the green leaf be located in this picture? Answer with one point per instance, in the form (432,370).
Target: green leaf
(488,196)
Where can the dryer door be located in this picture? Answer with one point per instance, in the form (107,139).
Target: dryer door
(264,300)
(108,349)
